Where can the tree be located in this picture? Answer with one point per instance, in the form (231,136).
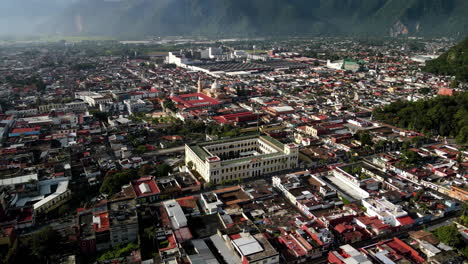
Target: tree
(114,183)
(424,91)
(418,195)
(462,137)
(45,243)
(150,233)
(464,220)
(40,85)
(453,62)
(417,142)
(145,170)
(344,200)
(459,158)
(118,252)
(449,235)
(464,209)
(169,66)
(168,104)
(83,66)
(464,251)
(424,208)
(439,116)
(141,149)
(406,145)
(380,145)
(411,157)
(190,165)
(64,210)
(365,138)
(102,116)
(163,170)
(454,84)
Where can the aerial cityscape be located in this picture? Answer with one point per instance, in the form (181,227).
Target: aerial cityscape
(308,146)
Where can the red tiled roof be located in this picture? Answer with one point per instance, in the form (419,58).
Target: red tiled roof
(293,245)
(172,243)
(342,228)
(25,130)
(235,236)
(236,117)
(104,219)
(188,101)
(149,181)
(190,201)
(350,236)
(405,220)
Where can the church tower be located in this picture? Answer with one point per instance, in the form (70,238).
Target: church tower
(200,85)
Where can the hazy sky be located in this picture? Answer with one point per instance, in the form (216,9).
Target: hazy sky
(26,16)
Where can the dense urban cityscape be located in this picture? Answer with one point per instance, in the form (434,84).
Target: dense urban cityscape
(194,150)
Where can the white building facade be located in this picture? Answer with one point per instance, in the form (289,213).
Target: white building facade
(240,158)
(384,210)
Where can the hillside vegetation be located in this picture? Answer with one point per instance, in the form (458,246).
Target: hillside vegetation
(443,115)
(453,62)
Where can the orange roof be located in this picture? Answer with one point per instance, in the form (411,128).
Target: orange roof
(104,220)
(229,189)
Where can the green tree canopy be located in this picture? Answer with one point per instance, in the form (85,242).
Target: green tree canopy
(454,62)
(45,243)
(449,235)
(113,182)
(443,115)
(118,252)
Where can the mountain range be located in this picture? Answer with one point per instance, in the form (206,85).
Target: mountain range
(259,17)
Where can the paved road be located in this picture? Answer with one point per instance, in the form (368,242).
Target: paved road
(165,151)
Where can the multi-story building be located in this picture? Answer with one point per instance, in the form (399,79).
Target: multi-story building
(245,248)
(175,213)
(386,211)
(94,233)
(55,192)
(177,58)
(240,158)
(350,182)
(77,105)
(135,106)
(93,99)
(123,222)
(210,202)
(195,101)
(315,131)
